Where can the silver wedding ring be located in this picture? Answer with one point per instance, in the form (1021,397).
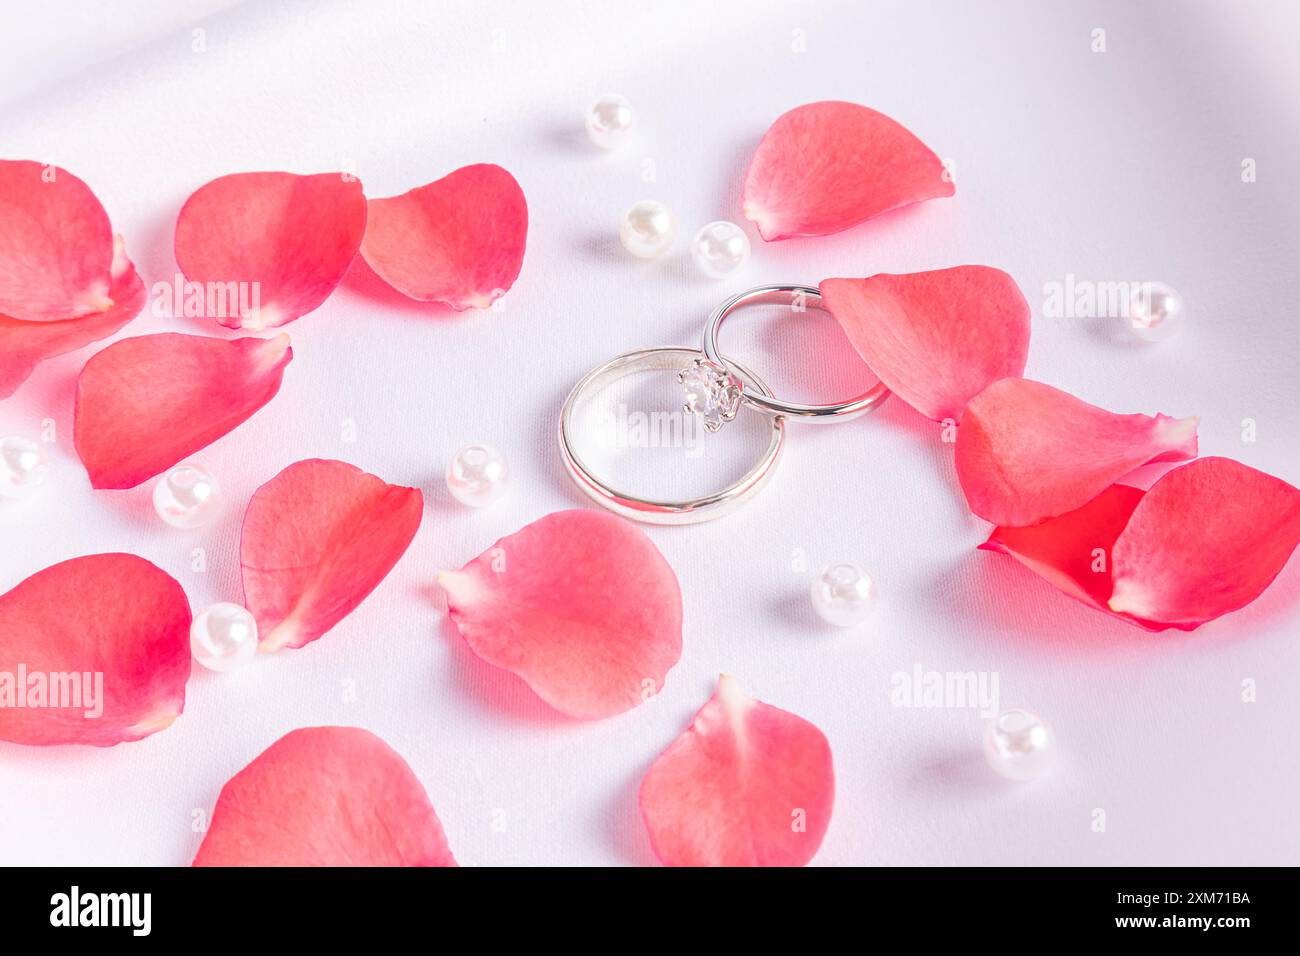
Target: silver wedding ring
(715,389)
(800,297)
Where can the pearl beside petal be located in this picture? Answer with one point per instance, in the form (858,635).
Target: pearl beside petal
(1156,312)
(22,466)
(843,594)
(609,120)
(1018,745)
(648,229)
(477,475)
(186,497)
(224,637)
(720,249)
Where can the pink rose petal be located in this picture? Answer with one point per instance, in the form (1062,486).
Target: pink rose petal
(146,403)
(1027,451)
(290,238)
(937,339)
(318,538)
(56,246)
(459,240)
(1207,539)
(24,345)
(325,796)
(747,784)
(580,604)
(824,167)
(112,615)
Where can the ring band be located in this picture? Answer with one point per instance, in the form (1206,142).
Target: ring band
(688,511)
(764,400)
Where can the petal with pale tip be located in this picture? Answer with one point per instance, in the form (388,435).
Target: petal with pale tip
(275,245)
(106,639)
(459,240)
(24,345)
(824,167)
(747,784)
(148,402)
(580,604)
(1027,451)
(316,540)
(56,245)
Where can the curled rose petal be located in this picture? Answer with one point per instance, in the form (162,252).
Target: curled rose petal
(94,650)
(580,604)
(1073,551)
(56,246)
(146,403)
(318,538)
(1207,539)
(285,241)
(325,796)
(747,784)
(824,167)
(937,339)
(24,345)
(459,240)
(1027,451)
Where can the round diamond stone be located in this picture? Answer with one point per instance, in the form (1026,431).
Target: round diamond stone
(711,393)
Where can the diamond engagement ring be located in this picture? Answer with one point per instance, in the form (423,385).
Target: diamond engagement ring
(714,393)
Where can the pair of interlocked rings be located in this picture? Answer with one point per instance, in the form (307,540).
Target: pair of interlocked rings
(716,388)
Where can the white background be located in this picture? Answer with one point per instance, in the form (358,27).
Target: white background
(1122,165)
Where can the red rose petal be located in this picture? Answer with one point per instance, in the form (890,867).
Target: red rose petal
(318,538)
(146,403)
(112,615)
(325,796)
(937,339)
(459,240)
(1027,451)
(24,345)
(291,238)
(1207,539)
(580,604)
(824,167)
(56,246)
(1074,551)
(747,784)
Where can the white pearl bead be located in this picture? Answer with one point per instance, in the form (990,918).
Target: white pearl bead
(22,466)
(609,121)
(1018,745)
(1156,312)
(223,637)
(843,594)
(648,229)
(186,497)
(477,475)
(720,249)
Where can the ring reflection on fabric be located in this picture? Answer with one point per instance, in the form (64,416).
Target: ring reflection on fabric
(638,508)
(802,297)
